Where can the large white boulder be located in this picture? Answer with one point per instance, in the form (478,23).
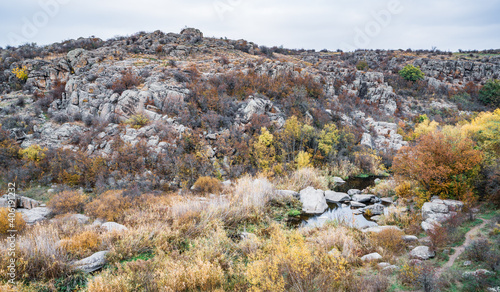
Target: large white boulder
(313,201)
(422,253)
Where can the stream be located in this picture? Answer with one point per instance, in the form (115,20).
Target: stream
(343,212)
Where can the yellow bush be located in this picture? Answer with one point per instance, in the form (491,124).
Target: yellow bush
(109,205)
(67,202)
(286,261)
(33,153)
(206,185)
(404,190)
(21,73)
(137,121)
(13,222)
(82,244)
(409,273)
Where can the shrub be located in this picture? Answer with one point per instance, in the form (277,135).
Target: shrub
(109,205)
(390,240)
(490,93)
(362,65)
(10,223)
(411,73)
(67,202)
(206,185)
(137,121)
(21,73)
(443,165)
(478,250)
(439,236)
(410,273)
(128,80)
(33,153)
(287,262)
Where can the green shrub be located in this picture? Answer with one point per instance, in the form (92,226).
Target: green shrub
(362,65)
(411,73)
(490,93)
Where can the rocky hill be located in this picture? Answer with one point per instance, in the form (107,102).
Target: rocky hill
(156,88)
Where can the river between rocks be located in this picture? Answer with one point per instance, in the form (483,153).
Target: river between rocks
(343,212)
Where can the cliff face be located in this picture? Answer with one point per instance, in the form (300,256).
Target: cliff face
(90,87)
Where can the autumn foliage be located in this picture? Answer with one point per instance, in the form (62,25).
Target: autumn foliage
(442,165)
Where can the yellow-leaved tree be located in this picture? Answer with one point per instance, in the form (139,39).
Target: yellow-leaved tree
(264,152)
(328,139)
(303,160)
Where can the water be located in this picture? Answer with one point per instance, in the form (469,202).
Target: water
(340,214)
(343,213)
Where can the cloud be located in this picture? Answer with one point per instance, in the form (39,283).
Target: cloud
(317,24)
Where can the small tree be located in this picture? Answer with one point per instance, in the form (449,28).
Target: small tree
(411,73)
(490,93)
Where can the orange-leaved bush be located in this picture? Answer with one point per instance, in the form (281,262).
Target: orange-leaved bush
(207,184)
(67,202)
(109,205)
(443,165)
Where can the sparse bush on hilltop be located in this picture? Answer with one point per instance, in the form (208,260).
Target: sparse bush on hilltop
(411,73)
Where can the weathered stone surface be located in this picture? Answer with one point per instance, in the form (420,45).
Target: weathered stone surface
(113,226)
(371,257)
(91,263)
(336,197)
(375,209)
(313,201)
(38,214)
(363,198)
(409,238)
(338,181)
(422,253)
(355,204)
(353,192)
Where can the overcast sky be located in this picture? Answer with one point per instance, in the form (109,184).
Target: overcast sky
(313,24)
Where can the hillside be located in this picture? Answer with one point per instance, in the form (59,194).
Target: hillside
(213,164)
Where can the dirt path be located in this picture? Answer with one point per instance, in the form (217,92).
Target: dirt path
(459,250)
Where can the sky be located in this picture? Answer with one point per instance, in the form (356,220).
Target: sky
(447,25)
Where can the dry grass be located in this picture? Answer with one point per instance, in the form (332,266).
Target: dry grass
(38,255)
(349,242)
(303,178)
(82,245)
